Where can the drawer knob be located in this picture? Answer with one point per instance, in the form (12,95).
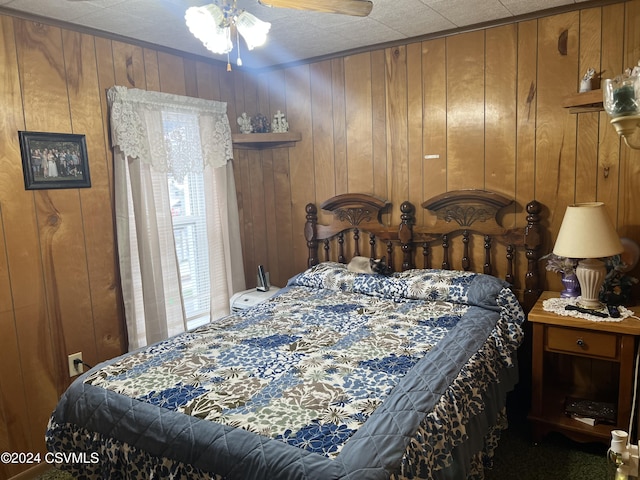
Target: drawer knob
(580,342)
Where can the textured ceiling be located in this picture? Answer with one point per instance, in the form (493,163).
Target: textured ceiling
(295,35)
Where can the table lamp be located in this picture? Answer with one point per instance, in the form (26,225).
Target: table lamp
(587,233)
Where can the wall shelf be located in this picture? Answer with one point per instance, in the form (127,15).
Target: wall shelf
(265,140)
(584,102)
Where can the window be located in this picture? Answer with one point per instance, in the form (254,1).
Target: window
(187,199)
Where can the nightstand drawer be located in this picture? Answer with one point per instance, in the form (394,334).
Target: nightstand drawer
(569,340)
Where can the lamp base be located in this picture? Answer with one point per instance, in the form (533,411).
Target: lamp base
(591,273)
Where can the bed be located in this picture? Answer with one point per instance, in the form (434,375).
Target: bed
(338,376)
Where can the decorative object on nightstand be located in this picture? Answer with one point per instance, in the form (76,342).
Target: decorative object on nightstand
(567,268)
(587,233)
(616,289)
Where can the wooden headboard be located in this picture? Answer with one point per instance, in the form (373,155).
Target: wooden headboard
(460,216)
(354,213)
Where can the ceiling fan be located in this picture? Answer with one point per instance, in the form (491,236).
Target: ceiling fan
(359,8)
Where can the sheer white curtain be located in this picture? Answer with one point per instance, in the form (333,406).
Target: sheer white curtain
(156,136)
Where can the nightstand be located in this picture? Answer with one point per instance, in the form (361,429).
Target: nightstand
(248,298)
(574,357)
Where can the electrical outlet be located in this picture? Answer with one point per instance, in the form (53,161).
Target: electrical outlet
(73,368)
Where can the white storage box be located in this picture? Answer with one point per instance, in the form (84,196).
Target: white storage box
(248,298)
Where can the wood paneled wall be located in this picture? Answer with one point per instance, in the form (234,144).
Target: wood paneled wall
(480,109)
(59,284)
(484,106)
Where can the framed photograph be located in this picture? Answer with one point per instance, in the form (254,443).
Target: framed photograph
(54,160)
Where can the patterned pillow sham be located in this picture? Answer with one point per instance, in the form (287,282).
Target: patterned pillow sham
(454,286)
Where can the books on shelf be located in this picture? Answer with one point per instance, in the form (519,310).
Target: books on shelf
(589,411)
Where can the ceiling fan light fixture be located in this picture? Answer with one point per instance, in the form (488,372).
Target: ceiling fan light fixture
(212,24)
(253,30)
(208,24)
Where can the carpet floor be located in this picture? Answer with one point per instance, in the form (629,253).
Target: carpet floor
(555,457)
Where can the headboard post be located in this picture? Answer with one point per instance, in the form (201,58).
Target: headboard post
(533,242)
(310,234)
(405,233)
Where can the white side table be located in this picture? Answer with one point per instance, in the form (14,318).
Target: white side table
(248,298)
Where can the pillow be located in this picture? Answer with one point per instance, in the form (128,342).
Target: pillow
(418,284)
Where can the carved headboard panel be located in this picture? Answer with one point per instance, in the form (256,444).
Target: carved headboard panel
(357,213)
(462,215)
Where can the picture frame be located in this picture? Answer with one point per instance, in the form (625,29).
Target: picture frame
(54,160)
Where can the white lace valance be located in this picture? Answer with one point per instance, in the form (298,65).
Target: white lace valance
(158,128)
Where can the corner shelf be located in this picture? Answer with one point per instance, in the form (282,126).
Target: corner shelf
(584,102)
(265,140)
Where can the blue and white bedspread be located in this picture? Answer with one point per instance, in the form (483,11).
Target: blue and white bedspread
(340,376)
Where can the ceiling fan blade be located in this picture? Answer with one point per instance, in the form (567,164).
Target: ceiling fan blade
(359,8)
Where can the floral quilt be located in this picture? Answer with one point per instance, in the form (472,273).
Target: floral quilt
(321,363)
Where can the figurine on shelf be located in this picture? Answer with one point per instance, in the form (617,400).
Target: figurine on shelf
(245,123)
(279,124)
(585,83)
(260,124)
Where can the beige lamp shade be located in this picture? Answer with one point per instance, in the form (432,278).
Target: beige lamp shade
(587,232)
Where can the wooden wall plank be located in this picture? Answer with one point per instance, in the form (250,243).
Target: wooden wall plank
(151,73)
(297,83)
(526,91)
(587,179)
(272,264)
(359,130)
(379,124)
(106,79)
(15,432)
(415,97)
(556,131)
(96,203)
(111,332)
(129,63)
(527,99)
(45,108)
(609,143)
(500,126)
(465,111)
(500,111)
(171,69)
(339,124)
(397,128)
(322,120)
(434,79)
(282,184)
(257,183)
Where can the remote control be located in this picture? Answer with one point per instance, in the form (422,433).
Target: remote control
(586,310)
